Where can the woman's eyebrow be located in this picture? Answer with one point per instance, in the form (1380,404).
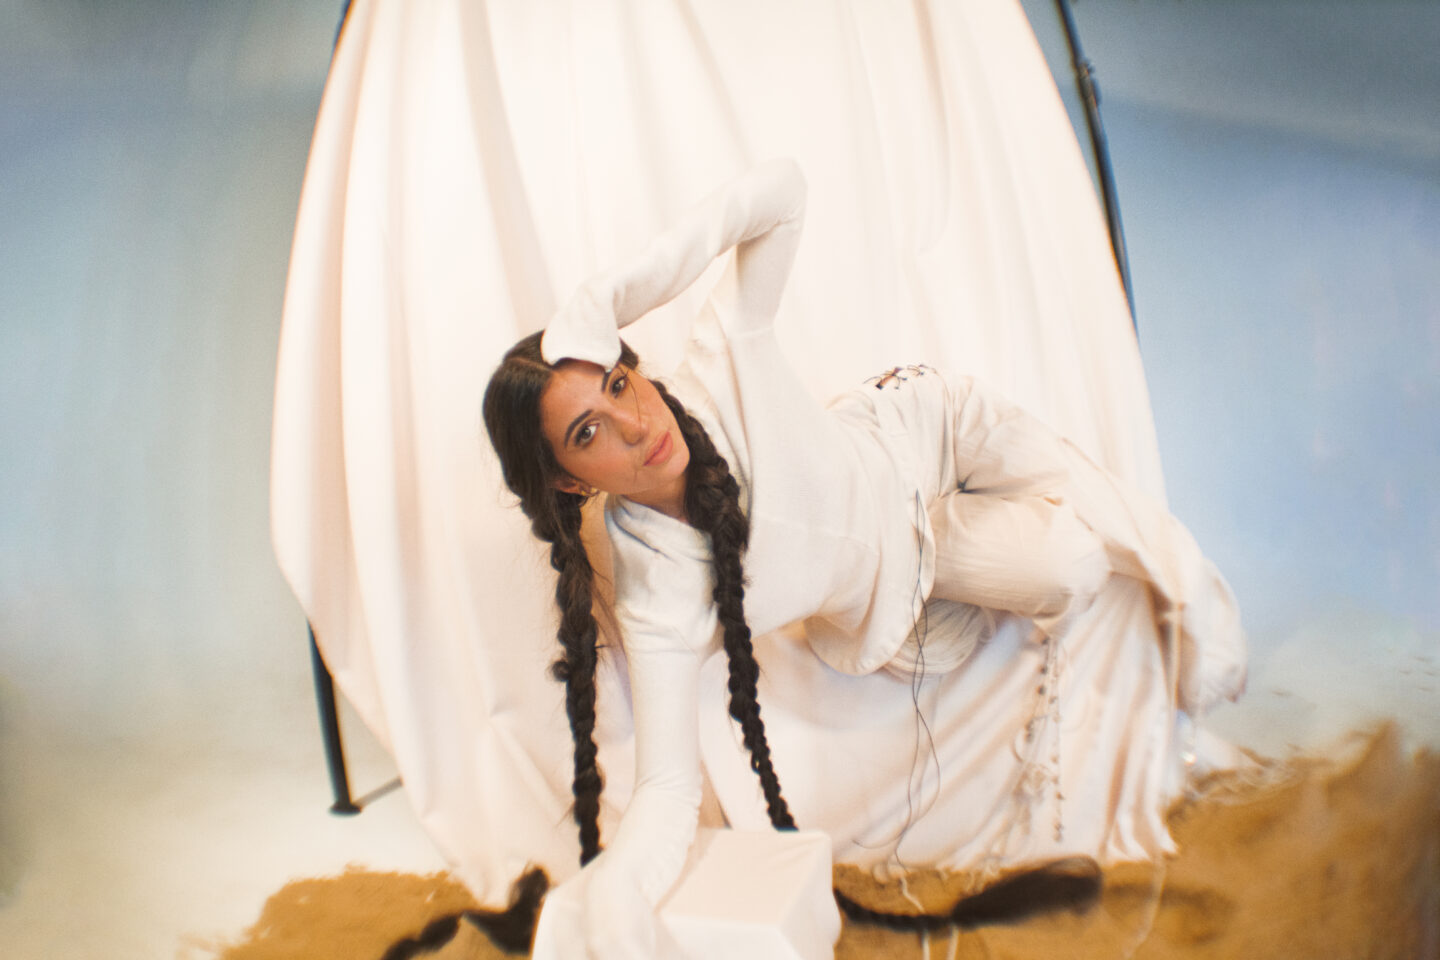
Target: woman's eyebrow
(575,423)
(604,384)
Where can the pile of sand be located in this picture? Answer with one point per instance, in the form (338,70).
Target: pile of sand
(1310,859)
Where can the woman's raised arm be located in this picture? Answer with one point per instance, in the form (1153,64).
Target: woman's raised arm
(760,213)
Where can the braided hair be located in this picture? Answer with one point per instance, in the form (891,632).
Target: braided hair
(712,505)
(530,470)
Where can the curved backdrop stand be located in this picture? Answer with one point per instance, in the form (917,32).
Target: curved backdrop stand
(473,162)
(1089,91)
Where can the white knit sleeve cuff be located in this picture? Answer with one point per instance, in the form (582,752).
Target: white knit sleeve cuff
(584,329)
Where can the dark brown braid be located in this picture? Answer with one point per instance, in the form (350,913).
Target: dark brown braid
(712,506)
(512,418)
(578,635)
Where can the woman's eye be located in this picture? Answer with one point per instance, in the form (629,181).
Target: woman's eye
(585,434)
(618,385)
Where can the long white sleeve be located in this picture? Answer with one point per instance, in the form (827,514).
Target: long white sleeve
(642,861)
(662,576)
(662,602)
(760,214)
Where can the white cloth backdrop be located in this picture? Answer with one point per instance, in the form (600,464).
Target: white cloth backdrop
(473,162)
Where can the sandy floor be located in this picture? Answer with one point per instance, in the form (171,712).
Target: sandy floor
(1309,859)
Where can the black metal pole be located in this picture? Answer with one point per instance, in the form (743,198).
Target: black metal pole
(1090,97)
(330,731)
(340,27)
(324,683)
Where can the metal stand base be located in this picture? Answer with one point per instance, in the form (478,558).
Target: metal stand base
(330,729)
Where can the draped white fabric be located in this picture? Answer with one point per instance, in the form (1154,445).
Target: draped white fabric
(473,162)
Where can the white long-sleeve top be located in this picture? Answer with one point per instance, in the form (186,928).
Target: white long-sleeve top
(837,500)
(818,548)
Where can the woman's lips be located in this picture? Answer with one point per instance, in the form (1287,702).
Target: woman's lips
(659,451)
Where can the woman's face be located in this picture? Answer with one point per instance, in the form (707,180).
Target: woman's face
(612,431)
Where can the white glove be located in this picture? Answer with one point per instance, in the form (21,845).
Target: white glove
(760,212)
(619,921)
(585,328)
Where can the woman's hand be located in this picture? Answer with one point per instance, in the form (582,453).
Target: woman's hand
(619,921)
(759,213)
(585,328)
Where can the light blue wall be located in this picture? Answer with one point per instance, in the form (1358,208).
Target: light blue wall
(1292,334)
(151,154)
(1278,167)
(1278,172)
(150,162)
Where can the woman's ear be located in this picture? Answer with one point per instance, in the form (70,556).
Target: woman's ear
(571,485)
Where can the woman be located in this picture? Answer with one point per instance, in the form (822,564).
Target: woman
(898,525)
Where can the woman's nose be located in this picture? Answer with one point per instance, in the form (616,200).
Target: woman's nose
(631,423)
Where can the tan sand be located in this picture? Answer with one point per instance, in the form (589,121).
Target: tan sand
(1327,860)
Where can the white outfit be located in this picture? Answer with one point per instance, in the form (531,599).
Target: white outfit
(905,484)
(472,162)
